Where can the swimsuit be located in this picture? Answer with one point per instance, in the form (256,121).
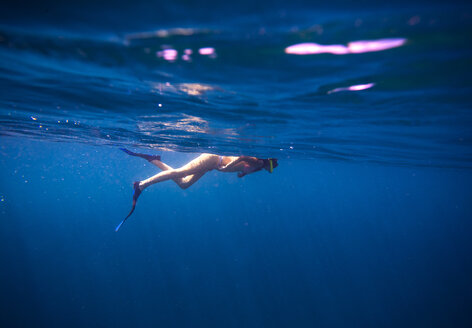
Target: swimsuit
(220,163)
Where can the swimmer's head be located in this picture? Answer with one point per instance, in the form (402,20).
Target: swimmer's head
(270,164)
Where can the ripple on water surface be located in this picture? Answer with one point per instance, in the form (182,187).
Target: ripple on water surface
(381,87)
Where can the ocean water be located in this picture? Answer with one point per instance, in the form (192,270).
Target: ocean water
(365,223)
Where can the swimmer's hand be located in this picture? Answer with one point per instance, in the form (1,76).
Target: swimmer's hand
(247,169)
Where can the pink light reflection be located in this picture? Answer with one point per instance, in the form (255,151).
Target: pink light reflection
(358,47)
(207,51)
(357,87)
(355,47)
(314,48)
(168,54)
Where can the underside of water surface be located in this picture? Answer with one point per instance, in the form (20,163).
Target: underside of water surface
(372,84)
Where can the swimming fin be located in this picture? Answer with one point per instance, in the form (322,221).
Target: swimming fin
(136,194)
(119,225)
(145,156)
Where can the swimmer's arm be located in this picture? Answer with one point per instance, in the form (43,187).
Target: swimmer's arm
(248,159)
(254,165)
(243,173)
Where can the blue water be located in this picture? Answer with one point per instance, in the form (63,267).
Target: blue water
(365,223)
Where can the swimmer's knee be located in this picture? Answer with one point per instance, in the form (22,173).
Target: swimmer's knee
(184,185)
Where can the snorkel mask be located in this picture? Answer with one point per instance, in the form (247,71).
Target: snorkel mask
(271,164)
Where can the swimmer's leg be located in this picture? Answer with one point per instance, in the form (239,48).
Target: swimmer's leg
(183,183)
(190,180)
(198,167)
(193,170)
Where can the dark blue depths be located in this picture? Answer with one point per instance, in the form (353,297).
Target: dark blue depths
(317,243)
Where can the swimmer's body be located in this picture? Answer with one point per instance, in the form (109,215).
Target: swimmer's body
(190,173)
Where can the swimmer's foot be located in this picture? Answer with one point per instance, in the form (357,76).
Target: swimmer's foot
(137,192)
(149,158)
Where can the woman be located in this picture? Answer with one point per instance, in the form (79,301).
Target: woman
(188,174)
